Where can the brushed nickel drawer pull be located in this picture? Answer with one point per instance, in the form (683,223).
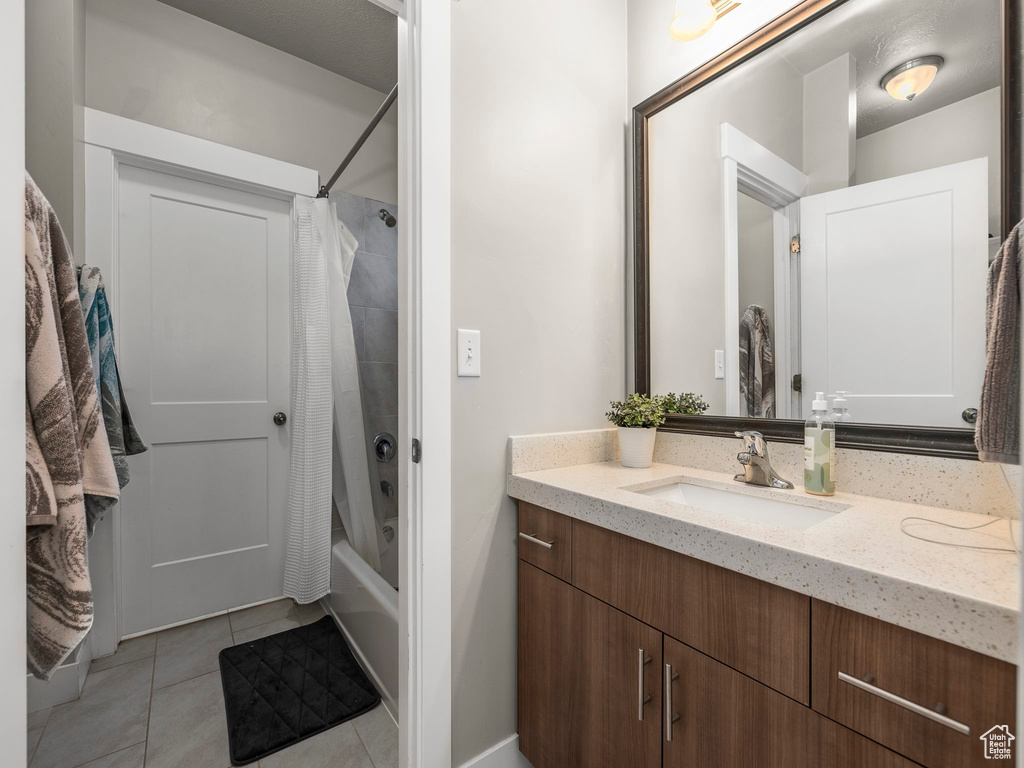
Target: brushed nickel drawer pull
(533,537)
(899,701)
(641,699)
(670,717)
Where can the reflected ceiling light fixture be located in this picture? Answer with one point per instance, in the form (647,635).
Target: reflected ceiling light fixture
(695,17)
(912,78)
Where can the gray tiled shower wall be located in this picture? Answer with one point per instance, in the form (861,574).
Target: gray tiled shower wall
(373,300)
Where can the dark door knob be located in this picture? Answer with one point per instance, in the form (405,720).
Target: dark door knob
(280,418)
(970,415)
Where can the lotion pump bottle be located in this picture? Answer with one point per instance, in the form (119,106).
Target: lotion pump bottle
(820,450)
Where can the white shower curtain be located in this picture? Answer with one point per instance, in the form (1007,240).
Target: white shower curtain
(351,471)
(307,570)
(328,455)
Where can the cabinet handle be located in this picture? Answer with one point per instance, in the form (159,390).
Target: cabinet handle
(533,537)
(899,701)
(641,699)
(670,717)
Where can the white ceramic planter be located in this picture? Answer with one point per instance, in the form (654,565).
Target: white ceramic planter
(636,446)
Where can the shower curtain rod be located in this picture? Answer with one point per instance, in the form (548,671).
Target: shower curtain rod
(325,190)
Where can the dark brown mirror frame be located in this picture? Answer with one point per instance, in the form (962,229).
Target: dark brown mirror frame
(929,441)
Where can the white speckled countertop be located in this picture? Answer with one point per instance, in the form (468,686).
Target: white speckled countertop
(859,559)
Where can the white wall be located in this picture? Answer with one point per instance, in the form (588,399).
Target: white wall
(687,227)
(964,130)
(538,178)
(830,125)
(54,97)
(12,383)
(153,63)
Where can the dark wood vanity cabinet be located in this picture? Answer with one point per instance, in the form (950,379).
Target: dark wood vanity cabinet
(632,656)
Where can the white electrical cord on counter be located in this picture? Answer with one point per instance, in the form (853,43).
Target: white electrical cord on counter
(1012,550)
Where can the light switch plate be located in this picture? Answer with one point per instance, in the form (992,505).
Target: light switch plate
(469,352)
(719,363)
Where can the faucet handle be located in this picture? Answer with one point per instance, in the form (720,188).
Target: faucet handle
(754,442)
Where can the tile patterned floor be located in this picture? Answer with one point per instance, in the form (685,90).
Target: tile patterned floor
(158,703)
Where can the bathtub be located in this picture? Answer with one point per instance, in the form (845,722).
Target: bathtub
(365,607)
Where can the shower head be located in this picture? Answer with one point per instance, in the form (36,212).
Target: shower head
(387,218)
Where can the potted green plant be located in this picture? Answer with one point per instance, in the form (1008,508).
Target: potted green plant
(688,403)
(638,418)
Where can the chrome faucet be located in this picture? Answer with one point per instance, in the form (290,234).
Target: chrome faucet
(757,470)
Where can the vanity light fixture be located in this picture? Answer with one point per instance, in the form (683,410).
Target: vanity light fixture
(695,17)
(911,78)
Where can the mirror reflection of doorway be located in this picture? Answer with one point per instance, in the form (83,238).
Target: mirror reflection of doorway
(762,213)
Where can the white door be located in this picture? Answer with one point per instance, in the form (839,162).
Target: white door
(203,324)
(893,277)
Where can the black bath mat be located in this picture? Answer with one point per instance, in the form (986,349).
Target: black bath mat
(284,688)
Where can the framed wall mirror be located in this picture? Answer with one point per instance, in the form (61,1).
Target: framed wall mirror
(816,209)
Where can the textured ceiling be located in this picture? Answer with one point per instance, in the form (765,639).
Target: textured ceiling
(881,34)
(354,38)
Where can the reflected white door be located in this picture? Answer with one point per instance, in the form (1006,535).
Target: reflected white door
(203,341)
(893,280)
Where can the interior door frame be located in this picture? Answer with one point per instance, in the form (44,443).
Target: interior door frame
(111,143)
(425,384)
(750,168)
(14,703)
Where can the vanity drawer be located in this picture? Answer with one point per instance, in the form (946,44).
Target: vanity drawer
(924,698)
(545,540)
(760,629)
(727,720)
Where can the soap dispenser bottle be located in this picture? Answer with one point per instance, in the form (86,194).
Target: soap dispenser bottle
(820,450)
(841,408)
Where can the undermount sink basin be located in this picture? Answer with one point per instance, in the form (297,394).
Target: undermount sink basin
(746,506)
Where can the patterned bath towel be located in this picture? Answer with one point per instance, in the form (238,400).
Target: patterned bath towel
(124,439)
(67,452)
(997,436)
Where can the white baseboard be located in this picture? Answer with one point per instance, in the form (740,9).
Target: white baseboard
(504,754)
(225,612)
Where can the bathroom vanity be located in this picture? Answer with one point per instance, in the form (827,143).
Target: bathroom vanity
(656,633)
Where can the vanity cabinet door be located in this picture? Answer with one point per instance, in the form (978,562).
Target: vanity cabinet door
(586,700)
(727,720)
(546,666)
(615,708)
